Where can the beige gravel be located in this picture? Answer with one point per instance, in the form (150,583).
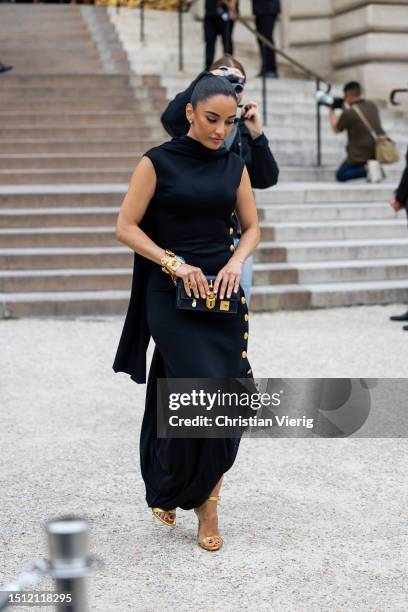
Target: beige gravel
(309,525)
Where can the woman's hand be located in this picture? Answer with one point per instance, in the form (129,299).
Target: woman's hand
(250,114)
(193,277)
(397,206)
(228,278)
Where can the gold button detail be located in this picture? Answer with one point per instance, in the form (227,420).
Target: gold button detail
(246,317)
(244,354)
(243,300)
(231,231)
(232,248)
(249,371)
(246,336)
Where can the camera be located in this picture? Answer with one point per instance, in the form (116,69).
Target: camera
(236,82)
(325,99)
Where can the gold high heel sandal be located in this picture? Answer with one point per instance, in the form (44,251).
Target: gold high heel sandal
(170,522)
(217,540)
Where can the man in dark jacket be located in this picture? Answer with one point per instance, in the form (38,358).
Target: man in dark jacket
(246,140)
(266,13)
(398,201)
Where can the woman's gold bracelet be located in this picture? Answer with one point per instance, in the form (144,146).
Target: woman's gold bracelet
(170,263)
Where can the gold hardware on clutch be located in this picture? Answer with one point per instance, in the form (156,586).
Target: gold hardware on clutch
(194,304)
(224,305)
(211,297)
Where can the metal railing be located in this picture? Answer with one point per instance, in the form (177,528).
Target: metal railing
(319,80)
(393,95)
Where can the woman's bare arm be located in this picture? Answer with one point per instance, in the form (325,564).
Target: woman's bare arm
(229,276)
(141,190)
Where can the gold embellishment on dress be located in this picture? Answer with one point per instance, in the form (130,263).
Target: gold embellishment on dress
(232,248)
(249,371)
(210,299)
(231,230)
(244,354)
(245,335)
(246,317)
(243,300)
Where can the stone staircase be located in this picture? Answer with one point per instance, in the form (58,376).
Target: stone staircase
(70,137)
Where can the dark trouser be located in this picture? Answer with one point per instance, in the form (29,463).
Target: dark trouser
(265,25)
(215,26)
(347,172)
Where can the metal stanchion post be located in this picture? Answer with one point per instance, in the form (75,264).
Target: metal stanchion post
(180,34)
(264,93)
(318,128)
(69,562)
(142,21)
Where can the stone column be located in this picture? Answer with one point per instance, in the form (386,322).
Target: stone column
(369,44)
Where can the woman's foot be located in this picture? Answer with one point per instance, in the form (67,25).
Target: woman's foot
(168,517)
(208,535)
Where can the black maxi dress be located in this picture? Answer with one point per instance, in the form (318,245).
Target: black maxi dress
(190,214)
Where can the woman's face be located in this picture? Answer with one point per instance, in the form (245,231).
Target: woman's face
(212,120)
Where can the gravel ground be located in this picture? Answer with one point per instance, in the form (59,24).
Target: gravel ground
(300,534)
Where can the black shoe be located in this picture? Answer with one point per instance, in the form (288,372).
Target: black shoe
(403,317)
(4,68)
(405,327)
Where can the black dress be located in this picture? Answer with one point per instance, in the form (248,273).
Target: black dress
(190,214)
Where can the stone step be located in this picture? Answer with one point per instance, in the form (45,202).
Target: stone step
(325,193)
(62,161)
(67,80)
(328,295)
(30,197)
(78,119)
(324,212)
(326,174)
(65,257)
(334,230)
(330,250)
(73,215)
(85,279)
(74,133)
(27,237)
(58,94)
(58,177)
(59,217)
(82,303)
(329,271)
(126,103)
(66,303)
(98,146)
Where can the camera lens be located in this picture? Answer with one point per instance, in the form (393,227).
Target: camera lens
(238,87)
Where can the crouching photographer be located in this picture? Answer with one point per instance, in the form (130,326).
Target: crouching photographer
(361,119)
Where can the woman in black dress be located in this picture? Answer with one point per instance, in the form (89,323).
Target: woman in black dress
(181,199)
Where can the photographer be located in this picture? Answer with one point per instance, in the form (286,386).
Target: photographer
(361,144)
(219,20)
(246,139)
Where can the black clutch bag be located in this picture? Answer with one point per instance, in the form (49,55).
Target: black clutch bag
(212,303)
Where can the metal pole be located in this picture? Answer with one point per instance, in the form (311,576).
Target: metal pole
(264,100)
(68,548)
(142,20)
(180,35)
(318,128)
